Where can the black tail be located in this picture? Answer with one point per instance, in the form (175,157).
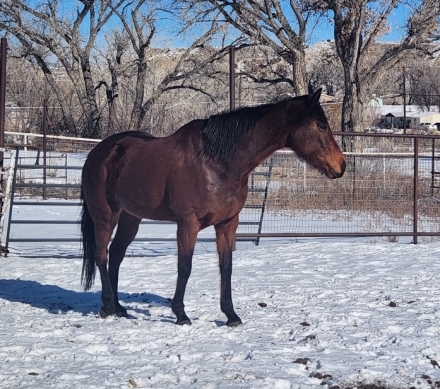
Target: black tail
(88,247)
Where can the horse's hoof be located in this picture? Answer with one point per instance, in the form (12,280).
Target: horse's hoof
(121,312)
(234,323)
(183,322)
(103,313)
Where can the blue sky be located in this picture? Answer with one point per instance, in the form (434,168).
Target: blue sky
(167,31)
(323,30)
(397,19)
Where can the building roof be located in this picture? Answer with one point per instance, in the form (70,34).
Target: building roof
(411,114)
(411,111)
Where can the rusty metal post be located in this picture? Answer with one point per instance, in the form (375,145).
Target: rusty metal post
(44,148)
(404,100)
(416,189)
(432,167)
(2,109)
(232,78)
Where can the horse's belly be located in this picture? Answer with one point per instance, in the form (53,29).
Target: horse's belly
(173,199)
(145,206)
(145,199)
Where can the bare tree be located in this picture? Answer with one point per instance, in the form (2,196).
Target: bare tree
(139,27)
(48,32)
(358,24)
(41,56)
(110,69)
(277,24)
(152,78)
(424,84)
(69,36)
(324,68)
(24,108)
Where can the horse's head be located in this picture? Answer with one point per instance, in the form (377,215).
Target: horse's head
(311,138)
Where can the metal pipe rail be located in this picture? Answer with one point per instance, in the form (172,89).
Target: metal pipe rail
(415,151)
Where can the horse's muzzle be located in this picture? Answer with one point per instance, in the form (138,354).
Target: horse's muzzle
(335,174)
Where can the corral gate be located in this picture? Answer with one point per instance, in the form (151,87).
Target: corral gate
(387,191)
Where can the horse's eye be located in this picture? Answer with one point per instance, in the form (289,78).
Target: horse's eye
(322,126)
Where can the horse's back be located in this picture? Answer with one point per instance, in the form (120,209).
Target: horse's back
(103,148)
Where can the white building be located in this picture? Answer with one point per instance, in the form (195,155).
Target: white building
(415,116)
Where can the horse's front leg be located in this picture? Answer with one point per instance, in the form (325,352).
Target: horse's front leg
(127,229)
(186,239)
(225,233)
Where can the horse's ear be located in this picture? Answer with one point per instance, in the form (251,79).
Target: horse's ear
(314,98)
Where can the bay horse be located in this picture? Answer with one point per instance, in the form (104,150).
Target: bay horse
(196,177)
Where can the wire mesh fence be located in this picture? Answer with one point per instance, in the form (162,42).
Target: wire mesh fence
(390,188)
(54,152)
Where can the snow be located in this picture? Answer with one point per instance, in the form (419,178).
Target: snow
(316,314)
(411,110)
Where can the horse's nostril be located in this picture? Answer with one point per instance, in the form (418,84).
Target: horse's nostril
(343,166)
(336,174)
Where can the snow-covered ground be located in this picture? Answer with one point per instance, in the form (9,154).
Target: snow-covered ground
(316,314)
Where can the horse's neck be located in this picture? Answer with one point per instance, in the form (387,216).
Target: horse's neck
(257,147)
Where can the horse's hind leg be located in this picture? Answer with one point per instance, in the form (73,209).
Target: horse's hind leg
(128,226)
(225,237)
(105,222)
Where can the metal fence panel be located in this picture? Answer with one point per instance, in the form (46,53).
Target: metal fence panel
(376,196)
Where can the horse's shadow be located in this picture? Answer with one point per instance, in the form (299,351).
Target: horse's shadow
(57,300)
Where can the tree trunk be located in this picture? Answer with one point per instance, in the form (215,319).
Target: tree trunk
(89,102)
(137,113)
(299,77)
(112,94)
(65,107)
(352,105)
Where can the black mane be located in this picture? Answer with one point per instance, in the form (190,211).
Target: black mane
(223,132)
